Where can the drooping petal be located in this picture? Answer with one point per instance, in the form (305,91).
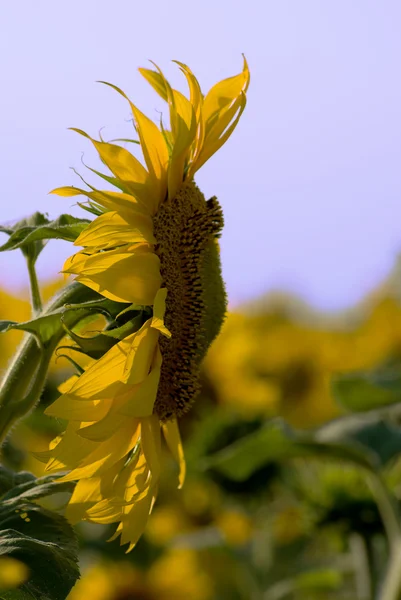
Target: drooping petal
(105,512)
(102,429)
(132,277)
(133,525)
(86,493)
(173,440)
(151,444)
(159,308)
(140,401)
(106,453)
(116,228)
(76,409)
(140,354)
(102,380)
(71,449)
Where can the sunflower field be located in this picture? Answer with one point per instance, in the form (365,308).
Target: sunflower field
(158,444)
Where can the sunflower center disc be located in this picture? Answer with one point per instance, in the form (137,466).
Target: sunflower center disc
(186,229)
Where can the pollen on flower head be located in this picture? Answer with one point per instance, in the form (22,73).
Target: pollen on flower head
(186,229)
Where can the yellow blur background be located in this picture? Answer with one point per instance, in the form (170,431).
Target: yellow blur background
(210,541)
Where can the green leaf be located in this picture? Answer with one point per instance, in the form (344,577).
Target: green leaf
(7,325)
(276,442)
(42,540)
(318,580)
(35,488)
(9,479)
(25,234)
(368,390)
(46,544)
(380,437)
(30,250)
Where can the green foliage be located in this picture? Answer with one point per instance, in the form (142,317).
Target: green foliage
(367,390)
(39,538)
(307,584)
(30,234)
(276,442)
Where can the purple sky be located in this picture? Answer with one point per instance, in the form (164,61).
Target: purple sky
(311,179)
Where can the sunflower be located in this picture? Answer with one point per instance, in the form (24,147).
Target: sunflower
(153,243)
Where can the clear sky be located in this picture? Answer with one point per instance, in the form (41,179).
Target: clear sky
(311,179)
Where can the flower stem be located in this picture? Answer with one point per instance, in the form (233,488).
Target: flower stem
(35,291)
(24,380)
(387,507)
(391,587)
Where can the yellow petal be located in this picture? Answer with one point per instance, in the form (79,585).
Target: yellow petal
(86,493)
(154,149)
(169,97)
(103,429)
(140,403)
(221,131)
(71,450)
(116,228)
(173,440)
(125,167)
(156,81)
(151,444)
(132,277)
(223,93)
(194,87)
(140,354)
(135,522)
(109,199)
(66,385)
(196,100)
(132,480)
(107,453)
(159,308)
(105,512)
(75,409)
(185,126)
(100,382)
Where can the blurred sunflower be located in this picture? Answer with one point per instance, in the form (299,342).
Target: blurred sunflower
(153,243)
(273,362)
(177,574)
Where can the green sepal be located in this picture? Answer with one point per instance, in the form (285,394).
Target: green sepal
(91,207)
(79,370)
(125,140)
(96,346)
